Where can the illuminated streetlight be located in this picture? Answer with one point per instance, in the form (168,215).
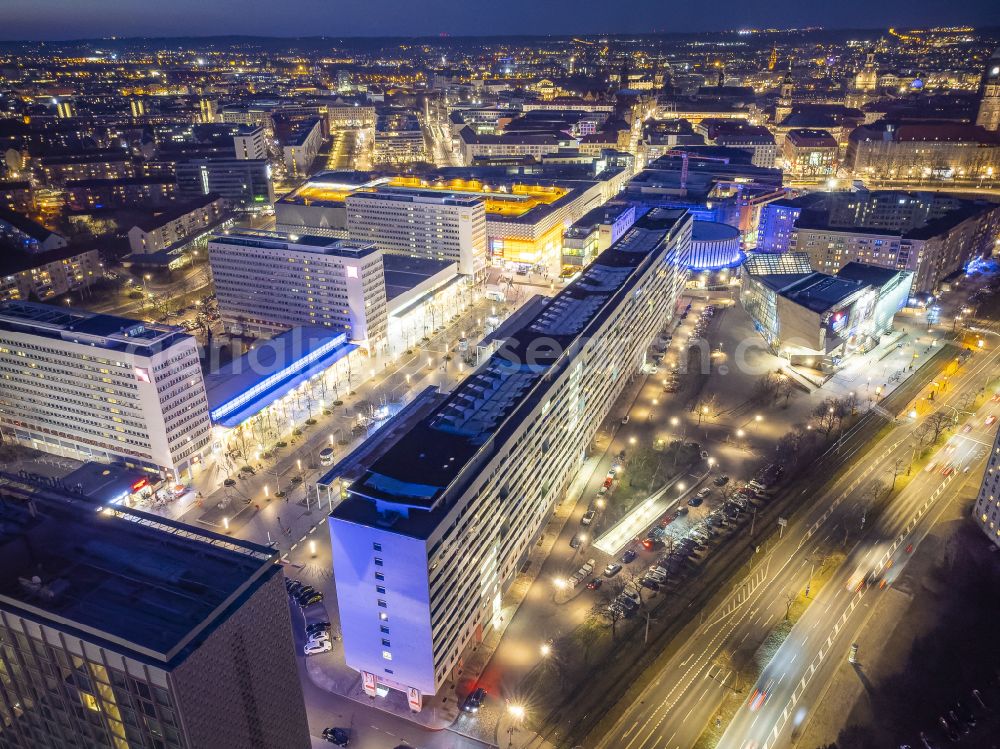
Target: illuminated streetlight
(631,440)
(225,523)
(681,486)
(559,583)
(516,711)
(267,492)
(312,548)
(546,649)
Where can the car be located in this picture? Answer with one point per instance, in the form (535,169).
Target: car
(625,419)
(704,492)
(595,583)
(320,636)
(649,543)
(602,491)
(695,501)
(989,420)
(315,648)
(612,569)
(309,600)
(612,473)
(474,701)
(588,517)
(681,511)
(629,556)
(721,480)
(667,519)
(575,542)
(607,482)
(293,587)
(967,428)
(648,582)
(338,736)
(760,695)
(317,627)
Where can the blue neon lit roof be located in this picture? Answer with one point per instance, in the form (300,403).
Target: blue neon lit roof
(269,371)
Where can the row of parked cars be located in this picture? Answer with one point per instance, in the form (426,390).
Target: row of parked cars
(318,638)
(702,324)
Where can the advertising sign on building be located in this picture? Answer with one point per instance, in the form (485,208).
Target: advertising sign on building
(368,680)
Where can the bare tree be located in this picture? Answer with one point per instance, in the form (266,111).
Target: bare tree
(936,424)
(790,598)
(827,414)
(606,608)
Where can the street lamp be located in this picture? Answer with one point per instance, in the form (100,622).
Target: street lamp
(545,650)
(516,711)
(312,548)
(681,487)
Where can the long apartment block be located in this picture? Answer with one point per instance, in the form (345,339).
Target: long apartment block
(429,538)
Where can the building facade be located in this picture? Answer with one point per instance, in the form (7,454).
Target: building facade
(175,227)
(105,642)
(98,387)
(422,224)
(267,282)
(988,114)
(243,182)
(987,508)
(431,536)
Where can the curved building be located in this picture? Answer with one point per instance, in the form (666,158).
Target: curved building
(714,246)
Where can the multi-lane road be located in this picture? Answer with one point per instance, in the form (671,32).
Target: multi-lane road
(686,695)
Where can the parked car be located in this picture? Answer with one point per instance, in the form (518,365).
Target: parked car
(629,555)
(315,648)
(612,569)
(317,627)
(474,701)
(695,501)
(595,583)
(309,600)
(704,492)
(337,736)
(721,480)
(575,542)
(588,517)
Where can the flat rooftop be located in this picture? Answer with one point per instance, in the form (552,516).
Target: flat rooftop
(271,370)
(90,328)
(144,586)
(505,197)
(404,273)
(410,481)
(274,240)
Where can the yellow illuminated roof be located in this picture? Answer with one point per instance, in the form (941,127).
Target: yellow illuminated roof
(503,201)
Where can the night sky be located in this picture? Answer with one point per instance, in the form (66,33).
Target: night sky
(74,19)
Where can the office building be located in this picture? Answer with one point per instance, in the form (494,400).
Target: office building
(398,139)
(99,387)
(430,224)
(929,151)
(809,153)
(475,146)
(526,215)
(300,144)
(987,508)
(245,183)
(815,319)
(596,231)
(988,114)
(267,282)
(754,139)
(124,629)
(432,534)
(931,235)
(250,143)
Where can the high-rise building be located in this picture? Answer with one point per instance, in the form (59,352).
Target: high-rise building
(100,387)
(430,537)
(243,182)
(431,224)
(250,143)
(123,629)
(267,282)
(988,115)
(987,508)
